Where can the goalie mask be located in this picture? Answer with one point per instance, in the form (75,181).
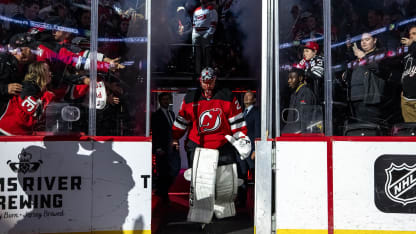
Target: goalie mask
(207,75)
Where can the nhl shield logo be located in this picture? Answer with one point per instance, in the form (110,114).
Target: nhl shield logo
(400,183)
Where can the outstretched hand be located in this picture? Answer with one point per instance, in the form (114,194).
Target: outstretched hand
(115,64)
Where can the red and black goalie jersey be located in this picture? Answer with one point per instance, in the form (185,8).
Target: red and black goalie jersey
(209,120)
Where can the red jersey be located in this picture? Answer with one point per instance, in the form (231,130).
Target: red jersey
(22,113)
(209,120)
(78,60)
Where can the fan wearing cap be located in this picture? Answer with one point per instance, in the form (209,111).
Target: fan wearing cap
(214,120)
(13,64)
(314,69)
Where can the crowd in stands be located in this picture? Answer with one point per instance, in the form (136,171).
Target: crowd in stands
(191,41)
(369,45)
(56,33)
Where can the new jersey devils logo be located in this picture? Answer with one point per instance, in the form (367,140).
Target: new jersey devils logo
(210,120)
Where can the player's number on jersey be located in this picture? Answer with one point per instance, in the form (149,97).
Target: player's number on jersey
(29,104)
(237,105)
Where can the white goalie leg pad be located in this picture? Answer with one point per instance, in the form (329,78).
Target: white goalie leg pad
(226,191)
(204,171)
(202,194)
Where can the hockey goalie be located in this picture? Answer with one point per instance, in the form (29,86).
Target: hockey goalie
(217,134)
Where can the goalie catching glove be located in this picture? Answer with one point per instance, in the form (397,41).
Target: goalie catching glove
(241,143)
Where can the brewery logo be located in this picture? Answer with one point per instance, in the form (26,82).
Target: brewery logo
(395,183)
(24,165)
(400,183)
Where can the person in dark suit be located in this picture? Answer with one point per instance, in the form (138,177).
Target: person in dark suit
(252,118)
(167,158)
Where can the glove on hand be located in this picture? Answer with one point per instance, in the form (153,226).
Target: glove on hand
(206,36)
(242,145)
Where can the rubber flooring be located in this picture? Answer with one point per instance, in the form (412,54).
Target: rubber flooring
(174,221)
(170,217)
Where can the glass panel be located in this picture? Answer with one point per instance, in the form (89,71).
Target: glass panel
(180,51)
(44,67)
(121,93)
(370,41)
(301,67)
(226,37)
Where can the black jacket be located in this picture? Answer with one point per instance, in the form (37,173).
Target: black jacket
(253,125)
(161,130)
(302,108)
(409,73)
(368,79)
(9,73)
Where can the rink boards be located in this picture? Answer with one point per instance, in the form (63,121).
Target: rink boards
(345,185)
(100,185)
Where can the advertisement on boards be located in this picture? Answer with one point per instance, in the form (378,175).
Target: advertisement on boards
(75,186)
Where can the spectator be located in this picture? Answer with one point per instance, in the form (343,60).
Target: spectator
(231,34)
(211,114)
(26,109)
(30,13)
(60,36)
(408,101)
(402,6)
(314,69)
(205,20)
(302,101)
(124,25)
(352,26)
(3,36)
(183,26)
(309,28)
(84,20)
(13,67)
(297,24)
(167,158)
(10,9)
(313,29)
(299,28)
(57,9)
(252,118)
(375,19)
(116,29)
(367,80)
(389,39)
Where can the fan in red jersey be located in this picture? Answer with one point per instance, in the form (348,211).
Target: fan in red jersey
(25,110)
(216,126)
